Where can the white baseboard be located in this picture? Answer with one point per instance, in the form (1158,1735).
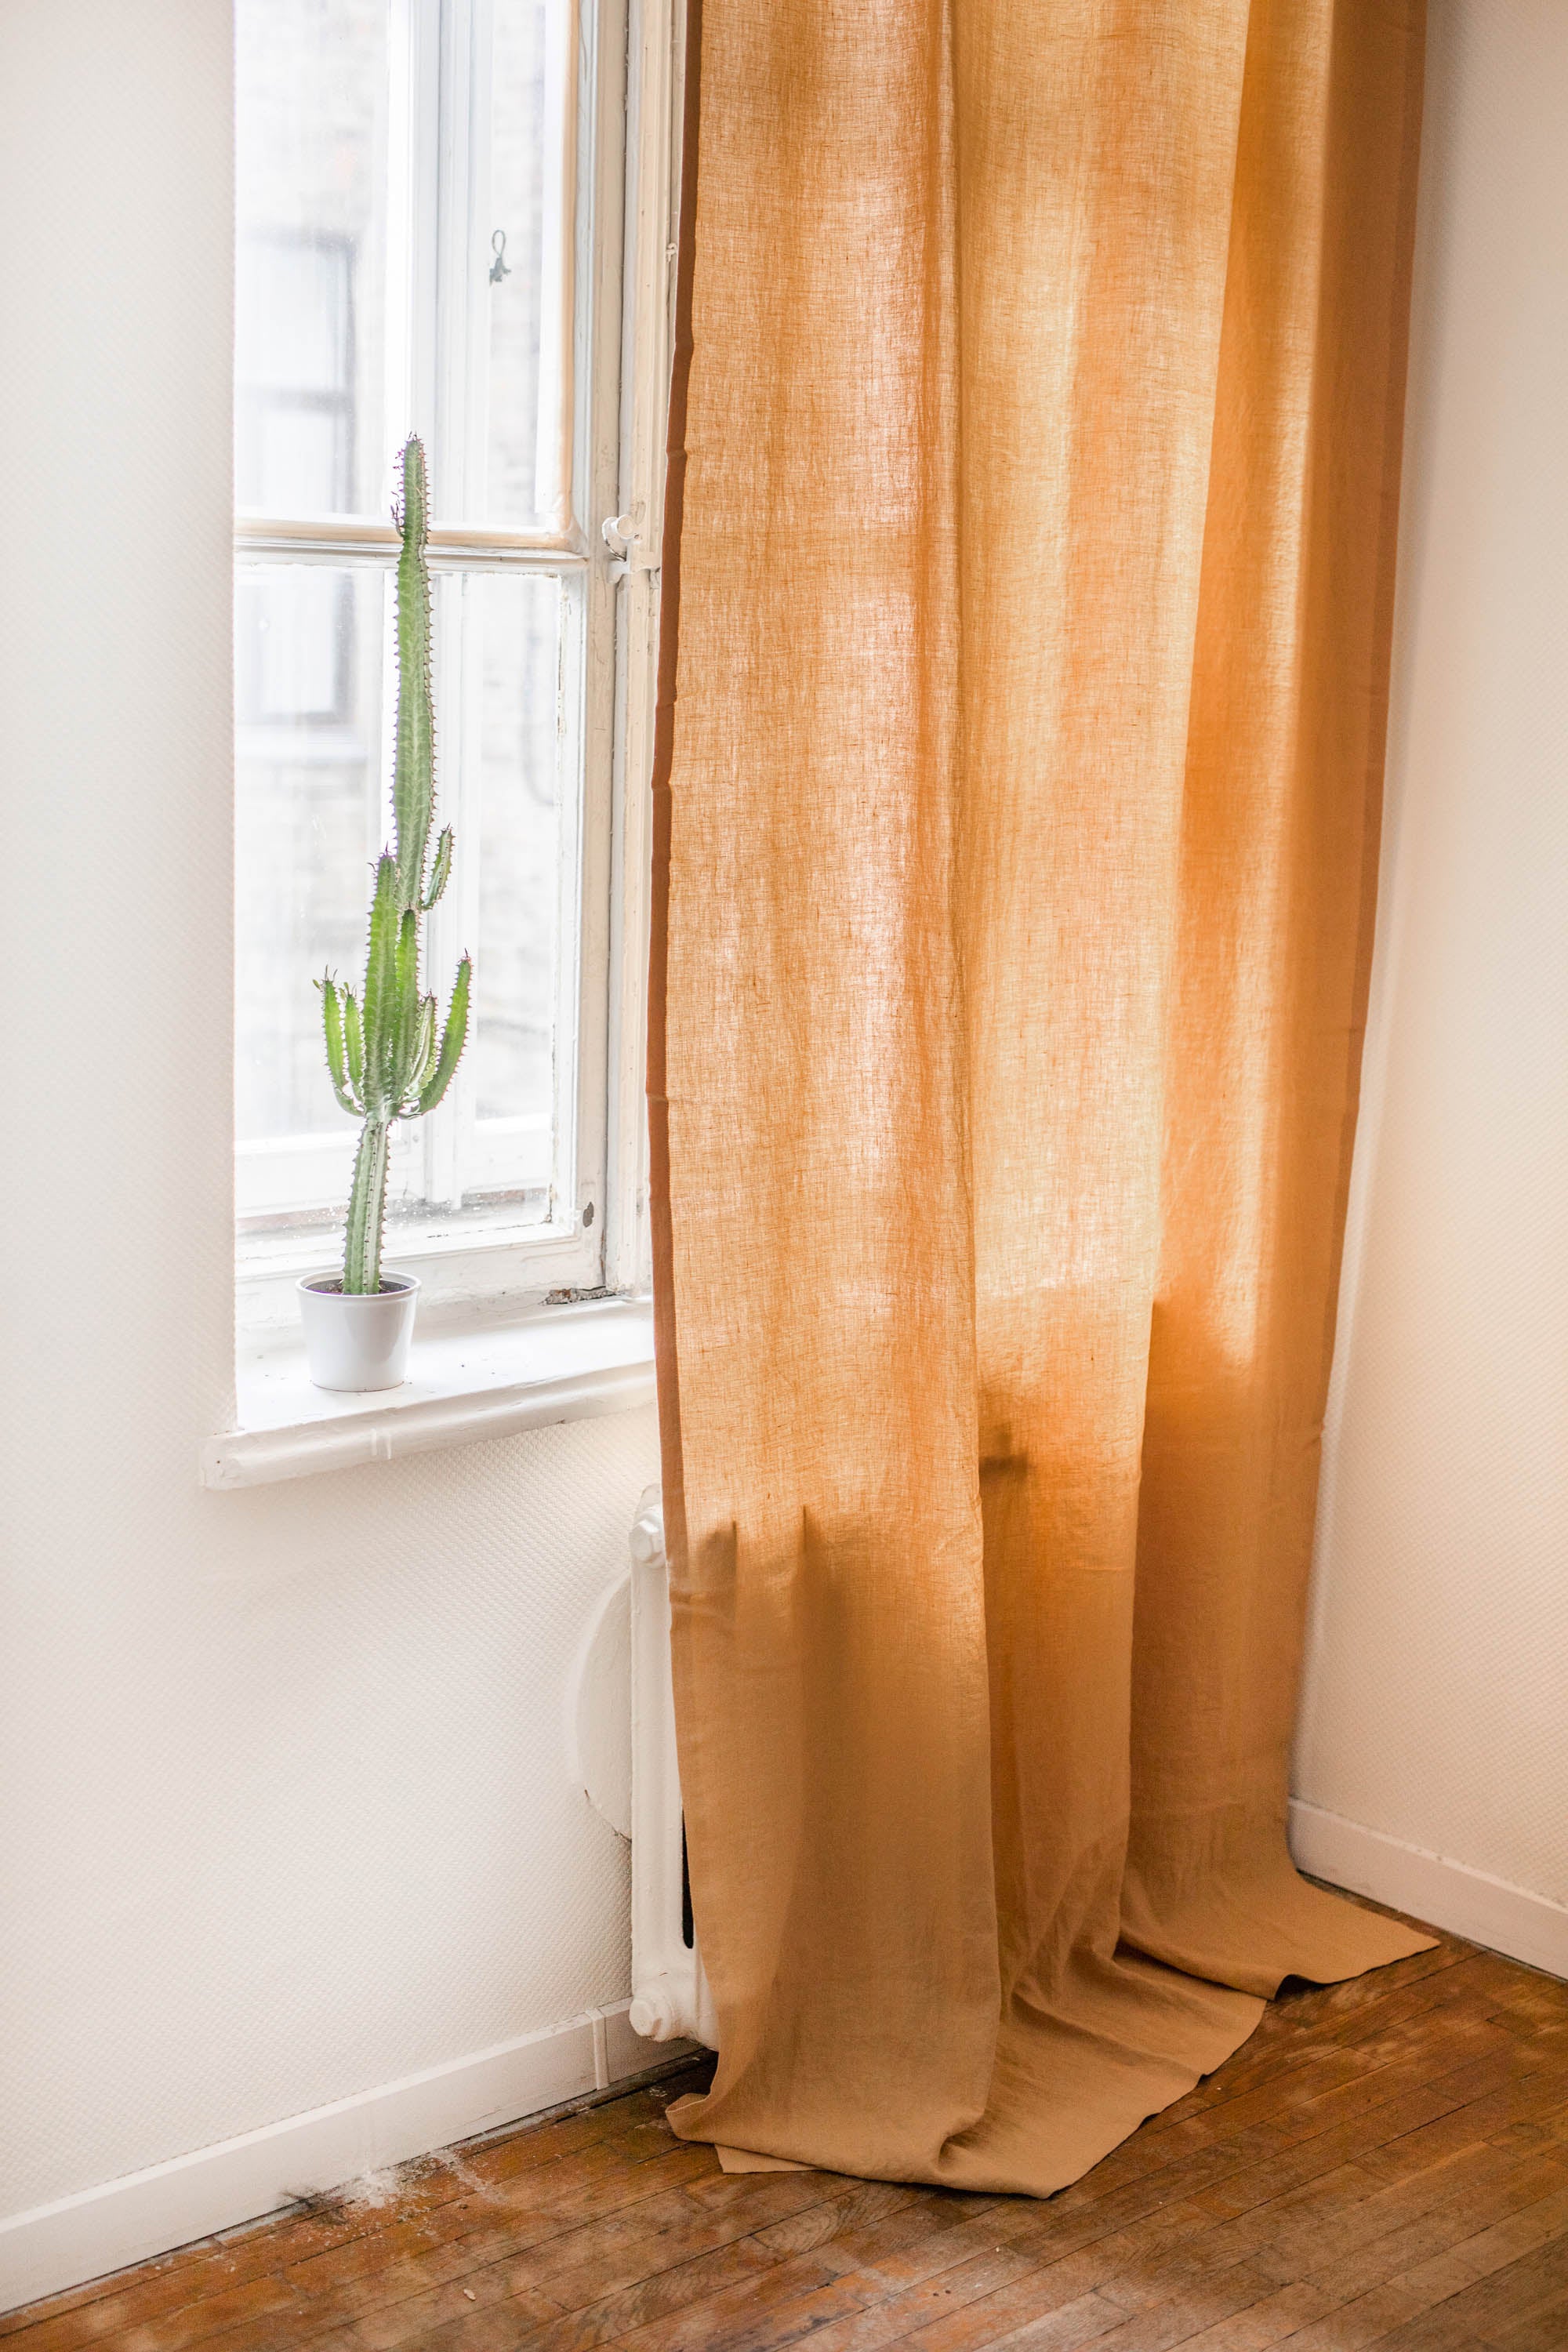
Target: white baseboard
(100,2229)
(1431,1887)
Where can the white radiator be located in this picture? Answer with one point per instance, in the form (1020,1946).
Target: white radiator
(670,2000)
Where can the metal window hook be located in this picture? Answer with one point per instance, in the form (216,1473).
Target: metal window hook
(620,535)
(499,267)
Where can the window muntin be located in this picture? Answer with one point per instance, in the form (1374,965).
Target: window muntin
(412,249)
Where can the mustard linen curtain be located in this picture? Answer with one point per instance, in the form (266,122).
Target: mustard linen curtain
(1028,572)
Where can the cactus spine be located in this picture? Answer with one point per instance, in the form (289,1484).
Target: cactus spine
(382,1052)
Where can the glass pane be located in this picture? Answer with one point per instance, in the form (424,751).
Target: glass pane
(519,248)
(314,676)
(311,356)
(516,619)
(307,687)
(309,666)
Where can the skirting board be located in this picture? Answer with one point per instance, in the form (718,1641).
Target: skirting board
(1431,1888)
(101,2229)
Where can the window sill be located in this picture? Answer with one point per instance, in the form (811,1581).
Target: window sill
(473,1378)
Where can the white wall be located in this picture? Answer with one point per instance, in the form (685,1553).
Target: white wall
(1437,1704)
(284,1812)
(284,1807)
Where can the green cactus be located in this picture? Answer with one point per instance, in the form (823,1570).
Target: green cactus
(382,1047)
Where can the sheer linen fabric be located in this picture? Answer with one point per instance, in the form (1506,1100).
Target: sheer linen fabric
(1027,584)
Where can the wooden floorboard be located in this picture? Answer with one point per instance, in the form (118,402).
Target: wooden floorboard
(1384,2163)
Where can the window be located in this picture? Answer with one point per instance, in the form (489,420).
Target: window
(432,214)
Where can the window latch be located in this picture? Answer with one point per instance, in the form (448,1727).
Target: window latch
(624,540)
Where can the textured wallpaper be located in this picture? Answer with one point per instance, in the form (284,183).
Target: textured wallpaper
(284,1808)
(1437,1704)
(290,1816)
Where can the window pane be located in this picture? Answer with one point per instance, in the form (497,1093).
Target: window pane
(314,678)
(517,620)
(521,244)
(312,265)
(309,820)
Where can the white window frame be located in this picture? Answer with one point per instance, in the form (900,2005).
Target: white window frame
(627,193)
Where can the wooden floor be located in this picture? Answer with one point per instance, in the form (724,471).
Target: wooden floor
(1383,2163)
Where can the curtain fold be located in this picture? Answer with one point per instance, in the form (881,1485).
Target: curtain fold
(1027,588)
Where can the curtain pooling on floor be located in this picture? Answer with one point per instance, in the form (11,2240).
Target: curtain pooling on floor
(1026,603)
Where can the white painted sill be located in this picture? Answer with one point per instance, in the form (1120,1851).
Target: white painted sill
(474,1376)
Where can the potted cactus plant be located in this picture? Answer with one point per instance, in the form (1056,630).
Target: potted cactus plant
(388,1055)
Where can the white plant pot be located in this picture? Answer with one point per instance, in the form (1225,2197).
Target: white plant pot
(358,1342)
